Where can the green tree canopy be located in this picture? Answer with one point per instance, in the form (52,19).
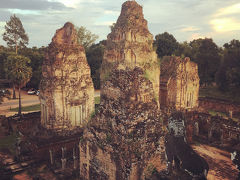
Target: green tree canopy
(94,57)
(184,50)
(14,34)
(18,70)
(86,37)
(36,55)
(229,72)
(206,54)
(166,44)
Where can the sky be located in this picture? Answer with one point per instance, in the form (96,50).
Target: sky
(184,19)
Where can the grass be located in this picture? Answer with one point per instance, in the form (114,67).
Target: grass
(214,113)
(233,95)
(35,107)
(222,114)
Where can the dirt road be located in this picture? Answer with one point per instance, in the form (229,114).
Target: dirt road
(219,161)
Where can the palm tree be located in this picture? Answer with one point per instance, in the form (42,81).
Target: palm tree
(19,71)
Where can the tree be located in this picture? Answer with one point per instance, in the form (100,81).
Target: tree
(94,57)
(85,37)
(15,37)
(207,55)
(17,68)
(14,34)
(229,72)
(3,56)
(184,49)
(36,55)
(166,44)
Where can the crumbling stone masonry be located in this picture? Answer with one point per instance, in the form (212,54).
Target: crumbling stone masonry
(179,83)
(130,44)
(126,133)
(66,89)
(212,128)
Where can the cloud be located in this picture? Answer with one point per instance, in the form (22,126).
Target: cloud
(2,24)
(31,4)
(196,36)
(105,23)
(224,20)
(225,24)
(189,29)
(26,12)
(111,12)
(184,19)
(233,9)
(69,3)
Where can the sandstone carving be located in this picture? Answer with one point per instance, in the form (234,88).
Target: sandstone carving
(130,44)
(179,83)
(66,89)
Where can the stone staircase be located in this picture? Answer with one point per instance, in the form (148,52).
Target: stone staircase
(12,166)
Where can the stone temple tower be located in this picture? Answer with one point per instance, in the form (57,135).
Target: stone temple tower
(129,45)
(66,88)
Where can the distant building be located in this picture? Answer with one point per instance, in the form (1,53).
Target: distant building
(179,83)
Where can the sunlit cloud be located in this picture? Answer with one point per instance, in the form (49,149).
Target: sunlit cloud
(224,20)
(189,29)
(225,24)
(234,9)
(69,3)
(196,36)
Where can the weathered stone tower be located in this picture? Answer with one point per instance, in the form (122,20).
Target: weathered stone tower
(130,45)
(179,83)
(127,132)
(66,89)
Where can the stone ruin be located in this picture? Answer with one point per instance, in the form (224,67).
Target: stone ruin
(66,88)
(215,129)
(180,155)
(179,83)
(235,157)
(130,44)
(127,131)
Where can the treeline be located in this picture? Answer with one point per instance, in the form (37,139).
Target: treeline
(36,55)
(216,65)
(94,56)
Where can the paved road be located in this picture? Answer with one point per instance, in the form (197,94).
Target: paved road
(15,103)
(27,100)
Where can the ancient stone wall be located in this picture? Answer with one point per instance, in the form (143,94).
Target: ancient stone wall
(131,44)
(219,106)
(66,88)
(212,127)
(179,83)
